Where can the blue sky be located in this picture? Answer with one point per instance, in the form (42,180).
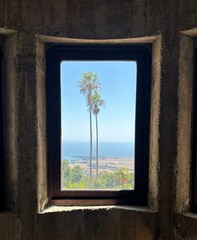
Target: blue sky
(116,118)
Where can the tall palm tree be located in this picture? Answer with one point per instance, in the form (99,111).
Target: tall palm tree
(87,85)
(97,102)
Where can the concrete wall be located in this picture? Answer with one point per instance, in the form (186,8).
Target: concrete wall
(25,27)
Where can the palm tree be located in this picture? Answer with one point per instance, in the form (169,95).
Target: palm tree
(97,102)
(87,85)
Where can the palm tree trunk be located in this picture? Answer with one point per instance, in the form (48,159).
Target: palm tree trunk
(96,145)
(90,146)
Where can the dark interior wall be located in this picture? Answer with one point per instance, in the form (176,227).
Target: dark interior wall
(25,26)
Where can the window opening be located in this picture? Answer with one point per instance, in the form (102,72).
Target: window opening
(104,87)
(98,124)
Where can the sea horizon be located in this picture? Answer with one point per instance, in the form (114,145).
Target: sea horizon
(80,149)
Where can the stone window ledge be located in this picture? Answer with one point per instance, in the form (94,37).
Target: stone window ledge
(55,209)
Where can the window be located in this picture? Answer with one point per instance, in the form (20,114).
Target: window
(2,188)
(98,110)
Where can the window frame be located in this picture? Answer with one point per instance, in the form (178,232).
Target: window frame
(2,177)
(54,55)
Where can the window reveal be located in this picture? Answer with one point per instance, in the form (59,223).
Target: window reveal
(2,187)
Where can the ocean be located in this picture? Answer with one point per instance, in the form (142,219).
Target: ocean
(80,150)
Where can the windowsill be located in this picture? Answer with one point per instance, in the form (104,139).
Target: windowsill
(190,215)
(55,209)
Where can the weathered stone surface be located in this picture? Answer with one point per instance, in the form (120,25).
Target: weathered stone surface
(162,22)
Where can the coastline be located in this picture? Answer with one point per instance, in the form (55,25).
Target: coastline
(108,164)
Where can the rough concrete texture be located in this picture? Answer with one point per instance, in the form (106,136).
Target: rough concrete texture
(98,224)
(25,26)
